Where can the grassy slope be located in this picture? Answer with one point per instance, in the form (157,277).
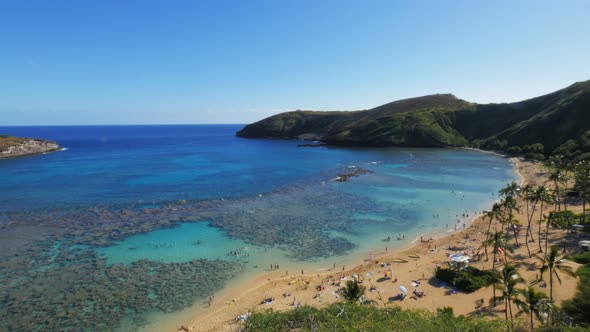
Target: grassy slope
(8,141)
(550,120)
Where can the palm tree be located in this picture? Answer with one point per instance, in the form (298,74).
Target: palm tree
(568,167)
(511,190)
(582,176)
(494,279)
(509,280)
(353,291)
(542,196)
(527,192)
(510,204)
(534,303)
(557,176)
(551,220)
(494,213)
(556,218)
(510,193)
(552,262)
(498,242)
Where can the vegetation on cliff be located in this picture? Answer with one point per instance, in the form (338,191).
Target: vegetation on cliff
(351,317)
(558,122)
(7,141)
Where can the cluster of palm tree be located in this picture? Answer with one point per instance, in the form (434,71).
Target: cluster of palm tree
(503,212)
(528,300)
(537,199)
(561,171)
(582,186)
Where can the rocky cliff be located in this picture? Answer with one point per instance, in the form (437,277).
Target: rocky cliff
(11,146)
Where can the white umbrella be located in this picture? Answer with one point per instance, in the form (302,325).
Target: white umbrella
(403,289)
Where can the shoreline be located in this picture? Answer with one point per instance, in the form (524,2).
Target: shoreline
(32,154)
(231,302)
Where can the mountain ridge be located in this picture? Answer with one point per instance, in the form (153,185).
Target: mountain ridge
(558,120)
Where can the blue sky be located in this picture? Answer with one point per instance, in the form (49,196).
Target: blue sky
(157,62)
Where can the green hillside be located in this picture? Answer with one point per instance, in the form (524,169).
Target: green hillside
(560,121)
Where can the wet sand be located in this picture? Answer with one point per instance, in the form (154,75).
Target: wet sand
(414,263)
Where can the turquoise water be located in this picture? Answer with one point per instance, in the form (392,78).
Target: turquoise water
(120,225)
(180,244)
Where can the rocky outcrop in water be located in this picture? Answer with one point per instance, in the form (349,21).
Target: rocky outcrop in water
(356,171)
(11,147)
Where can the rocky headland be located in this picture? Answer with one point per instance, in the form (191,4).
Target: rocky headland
(555,123)
(12,147)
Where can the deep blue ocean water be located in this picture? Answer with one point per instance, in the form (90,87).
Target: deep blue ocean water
(153,163)
(273,201)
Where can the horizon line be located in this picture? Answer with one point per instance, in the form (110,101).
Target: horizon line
(134,124)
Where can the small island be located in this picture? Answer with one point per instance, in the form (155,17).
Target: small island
(12,147)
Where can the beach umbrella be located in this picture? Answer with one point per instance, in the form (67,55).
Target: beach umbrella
(403,289)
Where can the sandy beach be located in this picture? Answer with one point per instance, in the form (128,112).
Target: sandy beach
(412,267)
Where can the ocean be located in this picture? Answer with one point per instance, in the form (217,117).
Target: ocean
(130,225)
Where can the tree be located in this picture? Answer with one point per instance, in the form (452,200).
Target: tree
(553,262)
(557,174)
(559,219)
(527,194)
(551,221)
(511,190)
(510,193)
(494,279)
(494,213)
(514,150)
(498,241)
(568,167)
(509,280)
(535,304)
(510,205)
(541,195)
(582,186)
(353,291)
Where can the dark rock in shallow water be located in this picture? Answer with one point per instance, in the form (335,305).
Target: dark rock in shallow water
(356,171)
(311,145)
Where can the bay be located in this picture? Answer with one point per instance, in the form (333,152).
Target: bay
(119,224)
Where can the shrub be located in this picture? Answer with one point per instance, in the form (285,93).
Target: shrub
(348,317)
(468,280)
(534,156)
(579,307)
(583,258)
(514,150)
